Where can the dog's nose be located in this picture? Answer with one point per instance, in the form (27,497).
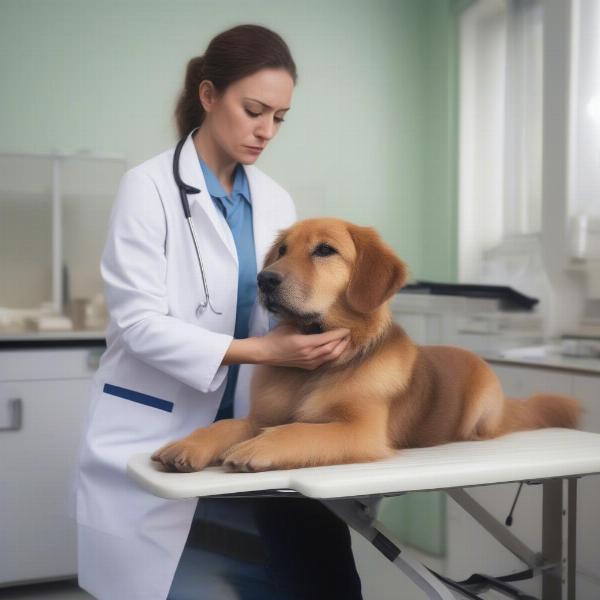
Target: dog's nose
(268,280)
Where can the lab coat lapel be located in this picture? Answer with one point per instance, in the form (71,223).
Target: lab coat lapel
(264,234)
(191,173)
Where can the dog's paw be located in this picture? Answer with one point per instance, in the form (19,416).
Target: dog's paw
(251,456)
(184,455)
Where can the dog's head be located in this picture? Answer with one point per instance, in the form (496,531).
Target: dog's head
(319,270)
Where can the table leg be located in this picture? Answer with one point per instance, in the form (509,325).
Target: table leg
(361,519)
(559,536)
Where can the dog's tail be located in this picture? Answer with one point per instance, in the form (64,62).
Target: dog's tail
(540,410)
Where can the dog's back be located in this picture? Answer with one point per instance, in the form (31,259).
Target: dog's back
(455,395)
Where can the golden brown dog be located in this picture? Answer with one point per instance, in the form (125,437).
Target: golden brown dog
(383,393)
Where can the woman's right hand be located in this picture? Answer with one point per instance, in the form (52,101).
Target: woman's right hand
(285,346)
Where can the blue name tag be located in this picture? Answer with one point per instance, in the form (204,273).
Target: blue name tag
(152,401)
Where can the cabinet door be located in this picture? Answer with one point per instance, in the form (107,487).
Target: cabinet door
(38,538)
(471,548)
(520,382)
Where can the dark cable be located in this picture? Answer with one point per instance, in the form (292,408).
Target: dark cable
(499,584)
(509,519)
(486,582)
(451,583)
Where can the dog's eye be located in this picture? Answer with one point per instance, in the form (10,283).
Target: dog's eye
(282,250)
(324,250)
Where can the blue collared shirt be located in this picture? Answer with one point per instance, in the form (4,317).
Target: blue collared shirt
(237,210)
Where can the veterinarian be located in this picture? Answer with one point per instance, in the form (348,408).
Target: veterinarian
(181,345)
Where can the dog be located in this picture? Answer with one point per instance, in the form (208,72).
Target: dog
(382,394)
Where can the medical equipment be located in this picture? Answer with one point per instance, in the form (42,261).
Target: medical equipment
(555,457)
(184,190)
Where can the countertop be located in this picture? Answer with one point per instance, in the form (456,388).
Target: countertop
(549,358)
(51,339)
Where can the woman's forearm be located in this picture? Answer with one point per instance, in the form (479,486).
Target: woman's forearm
(244,351)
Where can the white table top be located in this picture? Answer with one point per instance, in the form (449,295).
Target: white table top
(528,455)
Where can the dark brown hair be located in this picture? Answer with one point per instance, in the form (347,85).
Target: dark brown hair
(231,55)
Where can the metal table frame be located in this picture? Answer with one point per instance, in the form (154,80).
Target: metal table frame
(555,562)
(554,458)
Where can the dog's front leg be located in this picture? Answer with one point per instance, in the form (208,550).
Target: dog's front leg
(310,444)
(204,446)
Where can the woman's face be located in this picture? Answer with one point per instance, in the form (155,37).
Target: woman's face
(249,113)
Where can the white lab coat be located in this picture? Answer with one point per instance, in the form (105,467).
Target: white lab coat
(130,542)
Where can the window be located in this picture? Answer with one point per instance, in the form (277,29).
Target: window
(586,110)
(500,130)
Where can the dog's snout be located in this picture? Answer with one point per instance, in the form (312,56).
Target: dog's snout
(268,280)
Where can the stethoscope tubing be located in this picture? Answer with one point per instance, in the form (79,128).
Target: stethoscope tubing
(184,190)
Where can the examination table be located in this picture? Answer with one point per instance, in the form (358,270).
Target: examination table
(554,457)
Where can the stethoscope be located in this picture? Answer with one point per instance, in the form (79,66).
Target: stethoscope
(184,190)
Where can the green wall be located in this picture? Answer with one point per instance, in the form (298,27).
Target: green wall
(371,135)
(440,156)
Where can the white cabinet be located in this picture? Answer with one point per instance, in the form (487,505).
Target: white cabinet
(471,549)
(37,460)
(521,382)
(586,388)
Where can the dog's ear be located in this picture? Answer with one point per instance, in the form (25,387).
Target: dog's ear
(273,253)
(377,274)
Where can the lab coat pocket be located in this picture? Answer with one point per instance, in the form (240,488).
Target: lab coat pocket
(138,397)
(126,420)
(133,418)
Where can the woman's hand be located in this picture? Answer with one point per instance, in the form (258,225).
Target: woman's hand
(284,346)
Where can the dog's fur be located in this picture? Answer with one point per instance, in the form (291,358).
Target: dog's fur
(383,393)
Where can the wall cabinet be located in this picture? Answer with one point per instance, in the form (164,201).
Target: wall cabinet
(54,209)
(38,458)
